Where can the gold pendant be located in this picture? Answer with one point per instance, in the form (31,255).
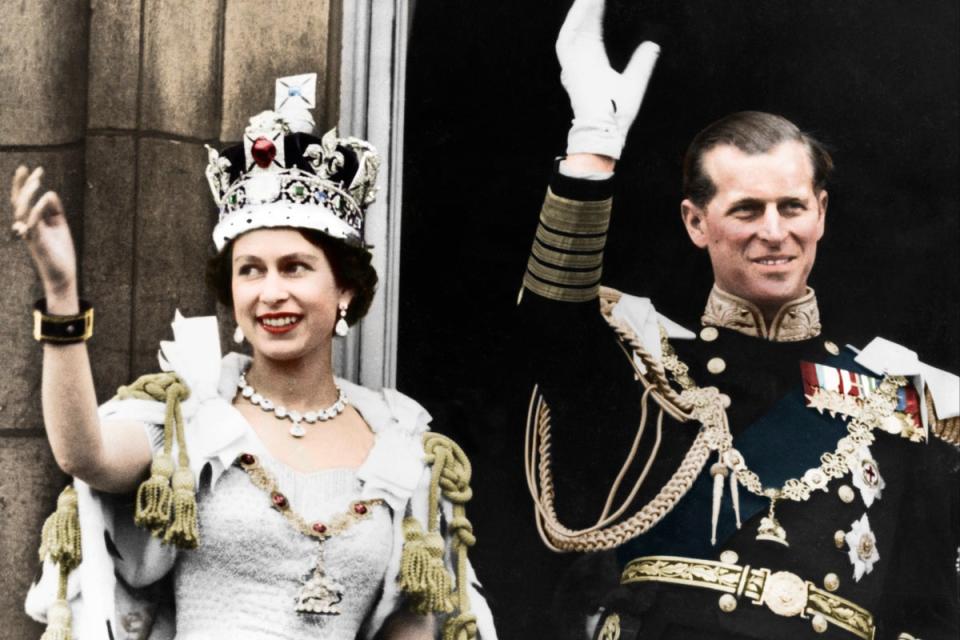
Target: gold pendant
(770,528)
(321,593)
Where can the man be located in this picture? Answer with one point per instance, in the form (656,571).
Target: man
(777,483)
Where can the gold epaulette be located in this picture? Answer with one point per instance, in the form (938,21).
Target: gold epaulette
(947,429)
(423,576)
(566,260)
(166,502)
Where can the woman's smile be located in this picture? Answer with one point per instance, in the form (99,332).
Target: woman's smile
(278,323)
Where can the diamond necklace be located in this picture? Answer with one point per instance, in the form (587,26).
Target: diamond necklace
(297,430)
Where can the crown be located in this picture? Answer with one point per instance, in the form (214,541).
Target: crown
(284,176)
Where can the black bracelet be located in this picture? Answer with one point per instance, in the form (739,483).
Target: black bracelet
(62,329)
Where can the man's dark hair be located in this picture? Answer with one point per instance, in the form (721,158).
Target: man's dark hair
(350,266)
(752,132)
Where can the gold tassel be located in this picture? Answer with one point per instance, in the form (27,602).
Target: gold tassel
(59,617)
(735,496)
(719,472)
(60,538)
(60,542)
(155,496)
(166,501)
(423,576)
(460,627)
(59,621)
(183,531)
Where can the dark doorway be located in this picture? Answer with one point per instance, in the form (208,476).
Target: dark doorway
(485,116)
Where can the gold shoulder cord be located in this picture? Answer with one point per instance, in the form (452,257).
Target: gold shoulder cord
(423,576)
(692,403)
(166,503)
(173,504)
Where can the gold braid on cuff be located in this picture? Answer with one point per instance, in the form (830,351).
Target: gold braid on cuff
(783,593)
(566,259)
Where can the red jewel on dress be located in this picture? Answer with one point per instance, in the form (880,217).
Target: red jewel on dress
(319,527)
(263,152)
(279,500)
(360,508)
(247,458)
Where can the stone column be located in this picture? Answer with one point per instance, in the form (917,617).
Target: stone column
(116,100)
(43,53)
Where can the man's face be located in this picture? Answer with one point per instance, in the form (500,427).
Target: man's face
(762,227)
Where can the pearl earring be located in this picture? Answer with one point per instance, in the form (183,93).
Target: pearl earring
(342,328)
(238,335)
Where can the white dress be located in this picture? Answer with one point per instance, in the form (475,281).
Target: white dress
(246,575)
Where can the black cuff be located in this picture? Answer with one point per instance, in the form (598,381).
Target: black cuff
(579,188)
(62,329)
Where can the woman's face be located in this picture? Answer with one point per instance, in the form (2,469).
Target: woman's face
(285,297)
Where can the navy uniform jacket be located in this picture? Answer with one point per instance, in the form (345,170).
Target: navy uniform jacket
(594,400)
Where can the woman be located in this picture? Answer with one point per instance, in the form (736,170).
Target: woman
(283,502)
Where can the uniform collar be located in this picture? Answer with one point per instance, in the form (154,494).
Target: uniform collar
(796,320)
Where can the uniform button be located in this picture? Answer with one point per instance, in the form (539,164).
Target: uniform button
(716,365)
(839,538)
(831,348)
(729,557)
(727,603)
(846,493)
(709,334)
(819,623)
(831,582)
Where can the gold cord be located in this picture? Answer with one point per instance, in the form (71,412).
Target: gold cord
(60,543)
(690,404)
(450,475)
(166,502)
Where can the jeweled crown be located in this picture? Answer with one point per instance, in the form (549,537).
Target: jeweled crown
(284,176)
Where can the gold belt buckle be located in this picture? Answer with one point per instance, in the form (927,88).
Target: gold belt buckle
(784,593)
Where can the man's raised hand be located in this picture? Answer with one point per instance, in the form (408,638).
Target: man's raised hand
(604,101)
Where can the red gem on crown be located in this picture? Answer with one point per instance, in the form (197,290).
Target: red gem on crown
(319,527)
(247,459)
(263,152)
(360,508)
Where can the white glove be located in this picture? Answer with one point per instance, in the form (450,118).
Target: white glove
(604,102)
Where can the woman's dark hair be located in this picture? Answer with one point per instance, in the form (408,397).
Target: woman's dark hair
(751,132)
(350,265)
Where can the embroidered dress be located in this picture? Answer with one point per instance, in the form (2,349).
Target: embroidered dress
(246,576)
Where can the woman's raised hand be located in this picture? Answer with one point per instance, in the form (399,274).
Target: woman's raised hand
(42,223)
(604,101)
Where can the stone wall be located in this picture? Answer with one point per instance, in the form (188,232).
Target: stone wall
(115,99)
